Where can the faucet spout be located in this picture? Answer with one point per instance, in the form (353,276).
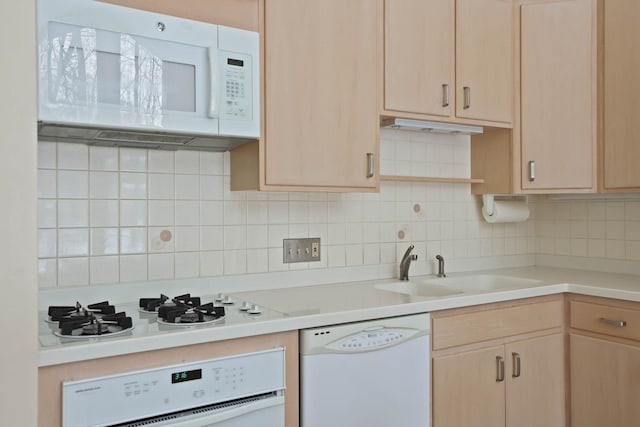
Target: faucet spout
(440,266)
(405,263)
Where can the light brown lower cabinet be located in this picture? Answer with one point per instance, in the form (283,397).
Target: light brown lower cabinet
(500,365)
(605,362)
(605,383)
(517,384)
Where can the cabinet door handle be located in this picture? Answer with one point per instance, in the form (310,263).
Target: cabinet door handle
(532,170)
(371,166)
(619,323)
(516,365)
(445,95)
(499,369)
(467,97)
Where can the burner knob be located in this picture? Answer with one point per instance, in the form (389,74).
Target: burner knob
(255,309)
(227,300)
(245,306)
(220,297)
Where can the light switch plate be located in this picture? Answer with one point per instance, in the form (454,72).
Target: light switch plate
(301,250)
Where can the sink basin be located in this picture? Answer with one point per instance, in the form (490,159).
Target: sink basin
(418,289)
(482,283)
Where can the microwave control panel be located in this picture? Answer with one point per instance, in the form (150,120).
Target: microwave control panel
(236,86)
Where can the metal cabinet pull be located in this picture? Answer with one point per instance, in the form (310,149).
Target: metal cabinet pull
(500,369)
(467,97)
(532,170)
(619,323)
(371,166)
(516,365)
(445,95)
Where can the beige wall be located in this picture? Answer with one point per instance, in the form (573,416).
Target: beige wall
(18,356)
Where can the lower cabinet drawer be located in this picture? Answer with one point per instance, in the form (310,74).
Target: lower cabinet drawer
(473,327)
(605,319)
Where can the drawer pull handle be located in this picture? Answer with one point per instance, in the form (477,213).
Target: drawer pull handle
(516,365)
(500,369)
(619,323)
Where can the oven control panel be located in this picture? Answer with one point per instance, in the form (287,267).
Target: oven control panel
(140,394)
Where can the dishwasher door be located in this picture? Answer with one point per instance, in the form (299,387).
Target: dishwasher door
(367,374)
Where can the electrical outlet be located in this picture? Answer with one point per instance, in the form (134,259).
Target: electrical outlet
(301,250)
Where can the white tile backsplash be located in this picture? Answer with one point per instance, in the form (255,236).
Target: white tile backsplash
(147,215)
(104,241)
(73,242)
(187,162)
(133,268)
(47,213)
(103,159)
(104,269)
(161,161)
(103,185)
(73,156)
(47,158)
(133,160)
(73,184)
(133,185)
(161,266)
(104,213)
(47,184)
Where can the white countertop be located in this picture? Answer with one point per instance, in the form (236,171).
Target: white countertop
(318,305)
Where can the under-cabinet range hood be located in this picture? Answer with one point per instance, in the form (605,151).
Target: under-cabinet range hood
(426,126)
(117,76)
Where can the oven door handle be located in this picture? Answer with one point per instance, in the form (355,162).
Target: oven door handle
(228,414)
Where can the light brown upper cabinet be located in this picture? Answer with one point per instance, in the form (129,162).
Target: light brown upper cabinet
(320,107)
(449,60)
(558,95)
(620,139)
(552,148)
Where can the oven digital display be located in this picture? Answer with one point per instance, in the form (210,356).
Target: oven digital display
(180,377)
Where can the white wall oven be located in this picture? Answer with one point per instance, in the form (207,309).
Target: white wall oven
(113,75)
(237,391)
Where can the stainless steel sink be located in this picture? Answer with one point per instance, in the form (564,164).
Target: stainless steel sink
(418,289)
(482,283)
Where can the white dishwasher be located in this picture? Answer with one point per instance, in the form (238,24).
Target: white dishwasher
(366,374)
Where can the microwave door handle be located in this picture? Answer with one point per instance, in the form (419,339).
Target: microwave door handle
(212,53)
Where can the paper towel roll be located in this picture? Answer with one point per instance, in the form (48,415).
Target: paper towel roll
(507,211)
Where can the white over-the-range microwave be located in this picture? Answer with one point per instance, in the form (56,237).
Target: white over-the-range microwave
(117,76)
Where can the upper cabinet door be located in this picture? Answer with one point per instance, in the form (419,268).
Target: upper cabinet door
(321,86)
(558,95)
(621,95)
(484,60)
(419,56)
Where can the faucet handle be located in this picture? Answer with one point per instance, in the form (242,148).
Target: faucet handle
(409,249)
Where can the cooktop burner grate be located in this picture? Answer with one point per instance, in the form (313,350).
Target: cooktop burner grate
(184,310)
(95,320)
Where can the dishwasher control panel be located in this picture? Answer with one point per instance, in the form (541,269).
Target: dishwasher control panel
(374,339)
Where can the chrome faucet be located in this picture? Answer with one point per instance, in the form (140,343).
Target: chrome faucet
(406,262)
(440,266)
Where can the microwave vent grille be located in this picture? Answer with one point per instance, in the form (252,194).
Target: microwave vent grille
(63,132)
(134,137)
